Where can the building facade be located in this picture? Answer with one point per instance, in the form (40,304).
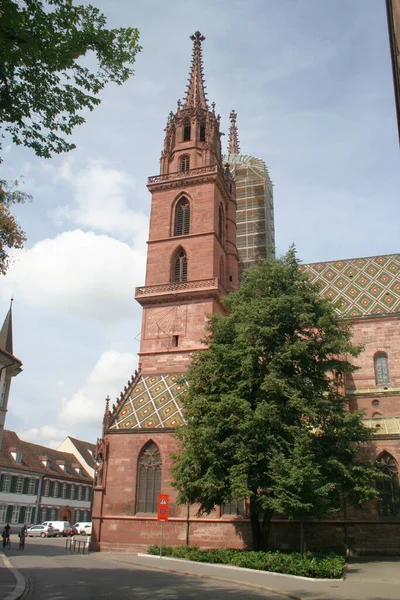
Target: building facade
(255,238)
(10,366)
(83,451)
(41,484)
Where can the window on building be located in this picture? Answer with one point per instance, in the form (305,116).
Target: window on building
(182,217)
(184,163)
(234,508)
(31,486)
(3,393)
(87,494)
(15,514)
(222,271)
(149,479)
(389,502)
(180,267)
(46,490)
(17,456)
(64,490)
(202,131)
(221,224)
(381,368)
(55,489)
(77,515)
(19,485)
(6,483)
(186,130)
(43,514)
(28,514)
(79,492)
(3,512)
(72,492)
(53,514)
(175,341)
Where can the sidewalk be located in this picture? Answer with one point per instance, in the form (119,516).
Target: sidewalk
(365,579)
(12,583)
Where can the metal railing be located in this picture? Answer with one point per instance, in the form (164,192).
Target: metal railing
(80,546)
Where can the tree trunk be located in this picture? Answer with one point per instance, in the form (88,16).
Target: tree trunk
(255,527)
(302,538)
(259,531)
(266,526)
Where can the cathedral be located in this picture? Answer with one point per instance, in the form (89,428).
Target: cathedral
(203,233)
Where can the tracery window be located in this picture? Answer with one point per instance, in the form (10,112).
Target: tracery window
(186,130)
(182,217)
(180,267)
(389,502)
(184,163)
(381,368)
(149,477)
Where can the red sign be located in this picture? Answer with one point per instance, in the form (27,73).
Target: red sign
(162,513)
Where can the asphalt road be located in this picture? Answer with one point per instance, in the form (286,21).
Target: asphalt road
(56,574)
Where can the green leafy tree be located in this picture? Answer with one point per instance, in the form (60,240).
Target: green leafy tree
(45,83)
(266,419)
(55,59)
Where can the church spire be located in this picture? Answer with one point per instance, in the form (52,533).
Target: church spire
(6,336)
(195,93)
(233,147)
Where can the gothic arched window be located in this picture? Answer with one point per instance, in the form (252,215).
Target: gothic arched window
(180,266)
(149,479)
(389,502)
(202,131)
(184,163)
(182,217)
(186,130)
(381,368)
(221,223)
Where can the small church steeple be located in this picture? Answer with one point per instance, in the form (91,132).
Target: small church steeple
(233,146)
(6,335)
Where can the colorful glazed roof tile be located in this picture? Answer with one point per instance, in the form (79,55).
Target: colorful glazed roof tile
(359,286)
(150,401)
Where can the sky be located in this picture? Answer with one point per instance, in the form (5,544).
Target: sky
(312,85)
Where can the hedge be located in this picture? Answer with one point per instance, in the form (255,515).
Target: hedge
(290,563)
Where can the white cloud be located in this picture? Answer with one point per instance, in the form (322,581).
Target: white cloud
(108,377)
(79,273)
(45,435)
(101,198)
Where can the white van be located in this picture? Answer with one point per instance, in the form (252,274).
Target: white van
(84,528)
(62,527)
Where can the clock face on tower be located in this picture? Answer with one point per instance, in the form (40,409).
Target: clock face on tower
(163,323)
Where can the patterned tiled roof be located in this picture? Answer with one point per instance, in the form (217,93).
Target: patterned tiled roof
(359,286)
(151,401)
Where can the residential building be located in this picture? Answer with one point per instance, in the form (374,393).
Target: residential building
(84,452)
(10,366)
(39,484)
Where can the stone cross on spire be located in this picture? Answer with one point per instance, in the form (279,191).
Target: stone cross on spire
(233,147)
(195,94)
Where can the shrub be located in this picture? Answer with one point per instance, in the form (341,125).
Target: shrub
(315,565)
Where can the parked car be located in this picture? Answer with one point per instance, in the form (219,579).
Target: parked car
(84,528)
(41,531)
(73,531)
(62,527)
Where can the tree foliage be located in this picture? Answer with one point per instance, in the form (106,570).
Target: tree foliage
(266,418)
(11,234)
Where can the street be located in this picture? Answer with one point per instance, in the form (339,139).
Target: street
(56,574)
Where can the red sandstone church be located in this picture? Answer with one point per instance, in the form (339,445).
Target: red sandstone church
(191,264)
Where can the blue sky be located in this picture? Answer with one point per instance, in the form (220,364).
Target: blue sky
(311,83)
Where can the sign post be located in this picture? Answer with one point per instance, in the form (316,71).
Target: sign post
(162,515)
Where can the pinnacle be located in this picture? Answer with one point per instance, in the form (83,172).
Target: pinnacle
(233,147)
(195,92)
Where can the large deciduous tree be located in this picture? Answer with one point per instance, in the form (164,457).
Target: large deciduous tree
(55,59)
(266,418)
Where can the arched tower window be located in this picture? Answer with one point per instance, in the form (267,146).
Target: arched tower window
(149,478)
(389,502)
(186,130)
(180,266)
(381,368)
(221,223)
(202,131)
(182,217)
(184,163)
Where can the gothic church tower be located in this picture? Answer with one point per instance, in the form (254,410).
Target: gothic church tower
(191,265)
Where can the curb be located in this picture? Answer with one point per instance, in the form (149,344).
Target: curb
(264,588)
(21,581)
